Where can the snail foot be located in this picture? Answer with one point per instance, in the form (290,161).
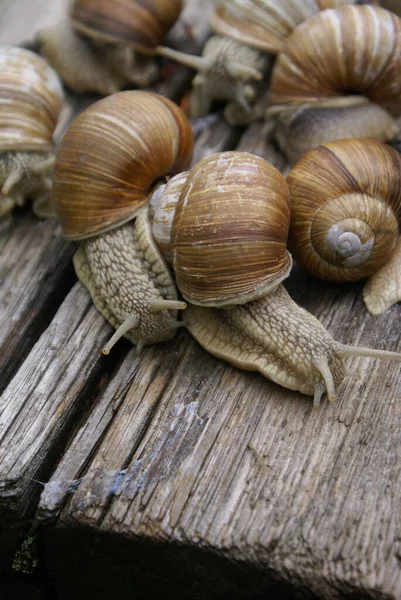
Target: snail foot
(384,287)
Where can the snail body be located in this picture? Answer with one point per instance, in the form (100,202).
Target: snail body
(236,61)
(137,295)
(346,215)
(108,44)
(338,76)
(30,104)
(108,163)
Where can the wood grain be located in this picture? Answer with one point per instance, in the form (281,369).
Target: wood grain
(174,475)
(242,469)
(36,274)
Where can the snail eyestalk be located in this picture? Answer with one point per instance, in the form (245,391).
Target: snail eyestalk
(369,353)
(44,166)
(240,71)
(131,322)
(14,177)
(199,63)
(167,305)
(323,367)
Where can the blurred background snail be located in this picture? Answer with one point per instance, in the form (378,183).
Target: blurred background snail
(106,45)
(223,226)
(30,104)
(346,215)
(108,162)
(338,76)
(235,63)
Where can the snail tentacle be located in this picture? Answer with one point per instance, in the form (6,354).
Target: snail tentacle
(322,366)
(167,305)
(369,352)
(130,322)
(13,178)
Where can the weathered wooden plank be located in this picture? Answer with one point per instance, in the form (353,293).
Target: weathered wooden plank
(35,262)
(29,443)
(188,478)
(242,469)
(35,275)
(40,405)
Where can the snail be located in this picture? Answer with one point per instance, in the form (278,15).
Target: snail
(108,44)
(30,103)
(223,225)
(236,62)
(108,162)
(346,215)
(338,76)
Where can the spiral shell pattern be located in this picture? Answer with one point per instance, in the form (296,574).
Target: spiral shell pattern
(265,24)
(138,22)
(230,230)
(345,208)
(30,100)
(345,51)
(112,156)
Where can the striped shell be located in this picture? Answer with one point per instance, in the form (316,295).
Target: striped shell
(348,50)
(230,230)
(142,23)
(265,24)
(111,157)
(345,208)
(30,100)
(162,206)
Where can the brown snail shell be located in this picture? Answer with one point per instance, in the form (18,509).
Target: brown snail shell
(266,24)
(141,24)
(348,50)
(345,208)
(112,156)
(30,100)
(229,231)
